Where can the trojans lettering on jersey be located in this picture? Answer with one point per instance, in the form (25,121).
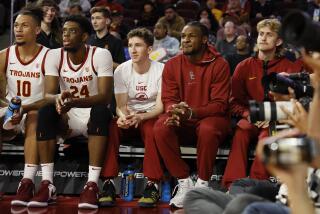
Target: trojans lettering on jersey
(81,80)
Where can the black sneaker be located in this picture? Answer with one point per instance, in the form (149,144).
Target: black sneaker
(108,194)
(150,196)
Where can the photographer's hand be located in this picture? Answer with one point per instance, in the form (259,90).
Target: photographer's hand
(262,124)
(298,117)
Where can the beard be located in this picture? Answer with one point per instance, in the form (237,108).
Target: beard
(189,52)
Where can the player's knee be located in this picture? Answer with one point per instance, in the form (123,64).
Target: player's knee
(100,117)
(47,123)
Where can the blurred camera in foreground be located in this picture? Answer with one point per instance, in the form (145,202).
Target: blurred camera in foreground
(289,151)
(300,30)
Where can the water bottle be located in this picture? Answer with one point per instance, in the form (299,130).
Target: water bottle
(165,191)
(13,108)
(128,184)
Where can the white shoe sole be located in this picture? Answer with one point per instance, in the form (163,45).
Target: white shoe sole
(87,206)
(19,203)
(37,204)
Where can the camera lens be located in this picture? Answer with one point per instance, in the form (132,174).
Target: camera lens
(268,111)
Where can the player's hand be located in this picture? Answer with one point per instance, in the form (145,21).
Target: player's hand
(134,119)
(182,110)
(173,120)
(64,102)
(123,123)
(17,117)
(298,117)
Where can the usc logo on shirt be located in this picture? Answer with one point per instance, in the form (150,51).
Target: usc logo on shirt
(141,96)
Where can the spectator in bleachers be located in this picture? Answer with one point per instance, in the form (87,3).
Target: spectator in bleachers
(234,8)
(243,52)
(314,10)
(246,85)
(262,9)
(149,15)
(227,45)
(169,45)
(66,4)
(75,9)
(211,4)
(173,20)
(189,3)
(118,28)
(195,94)
(137,86)
(101,20)
(239,29)
(211,38)
(51,33)
(111,5)
(206,13)
(246,5)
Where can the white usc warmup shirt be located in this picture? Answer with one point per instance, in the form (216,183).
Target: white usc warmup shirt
(142,89)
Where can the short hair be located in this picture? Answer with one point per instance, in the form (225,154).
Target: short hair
(273,24)
(49,3)
(82,21)
(105,12)
(204,30)
(35,12)
(78,6)
(142,33)
(169,6)
(163,24)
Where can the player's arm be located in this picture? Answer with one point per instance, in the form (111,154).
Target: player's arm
(156,111)
(50,94)
(122,101)
(3,81)
(103,65)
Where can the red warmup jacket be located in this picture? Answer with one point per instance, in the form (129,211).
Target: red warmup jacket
(204,86)
(246,81)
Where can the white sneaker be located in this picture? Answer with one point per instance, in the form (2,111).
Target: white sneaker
(201,184)
(183,186)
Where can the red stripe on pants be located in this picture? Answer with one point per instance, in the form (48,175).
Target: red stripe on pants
(238,158)
(209,132)
(151,163)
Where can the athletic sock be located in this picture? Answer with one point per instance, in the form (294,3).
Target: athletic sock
(30,171)
(47,171)
(94,174)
